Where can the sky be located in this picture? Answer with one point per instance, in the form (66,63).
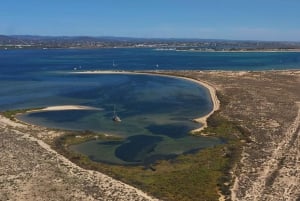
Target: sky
(272,20)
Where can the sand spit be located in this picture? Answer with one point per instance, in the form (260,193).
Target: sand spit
(31,170)
(67,107)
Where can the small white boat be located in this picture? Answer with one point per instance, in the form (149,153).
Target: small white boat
(116,118)
(113,64)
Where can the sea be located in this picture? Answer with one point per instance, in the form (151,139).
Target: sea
(156,112)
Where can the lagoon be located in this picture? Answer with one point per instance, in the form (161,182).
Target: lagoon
(156,113)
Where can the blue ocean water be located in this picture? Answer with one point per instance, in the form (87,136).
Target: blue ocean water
(156,111)
(142,59)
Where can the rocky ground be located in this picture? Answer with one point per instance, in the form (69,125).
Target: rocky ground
(267,105)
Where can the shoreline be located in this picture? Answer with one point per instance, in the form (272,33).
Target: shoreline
(212,91)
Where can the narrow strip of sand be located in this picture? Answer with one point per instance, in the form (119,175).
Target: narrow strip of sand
(67,107)
(70,107)
(202,120)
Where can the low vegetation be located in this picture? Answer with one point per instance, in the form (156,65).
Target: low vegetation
(77,137)
(10,114)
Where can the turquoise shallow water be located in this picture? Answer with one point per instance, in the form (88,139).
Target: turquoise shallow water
(156,111)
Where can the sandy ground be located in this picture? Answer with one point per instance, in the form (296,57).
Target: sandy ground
(31,170)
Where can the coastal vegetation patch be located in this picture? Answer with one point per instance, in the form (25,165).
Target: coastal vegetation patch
(77,137)
(10,114)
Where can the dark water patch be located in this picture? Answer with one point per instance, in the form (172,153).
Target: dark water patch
(86,93)
(179,119)
(136,148)
(172,106)
(146,108)
(111,143)
(170,130)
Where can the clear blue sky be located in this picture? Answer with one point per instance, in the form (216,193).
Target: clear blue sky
(208,19)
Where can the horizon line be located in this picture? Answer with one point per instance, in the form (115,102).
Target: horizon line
(148,38)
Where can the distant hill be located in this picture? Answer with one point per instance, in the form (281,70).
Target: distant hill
(181,44)
(8,40)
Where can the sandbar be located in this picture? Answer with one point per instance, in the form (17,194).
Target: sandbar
(67,107)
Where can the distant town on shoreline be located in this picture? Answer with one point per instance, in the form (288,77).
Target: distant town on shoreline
(176,44)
